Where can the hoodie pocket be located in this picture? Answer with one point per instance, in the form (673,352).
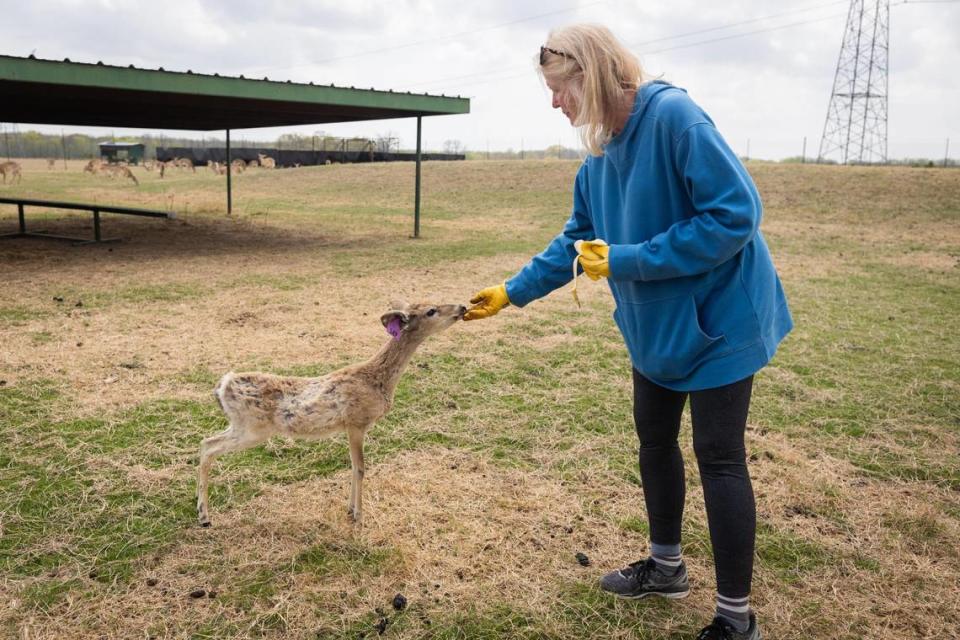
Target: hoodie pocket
(664,337)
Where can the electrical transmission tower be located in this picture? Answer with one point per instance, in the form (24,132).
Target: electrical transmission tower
(856,127)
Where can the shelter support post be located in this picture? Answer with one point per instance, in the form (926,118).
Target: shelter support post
(229,180)
(416,201)
(97,237)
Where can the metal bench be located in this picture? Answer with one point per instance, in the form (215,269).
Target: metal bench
(96,209)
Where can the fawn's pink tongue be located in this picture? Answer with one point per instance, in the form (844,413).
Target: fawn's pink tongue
(393,328)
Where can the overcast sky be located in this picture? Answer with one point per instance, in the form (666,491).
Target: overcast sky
(770,87)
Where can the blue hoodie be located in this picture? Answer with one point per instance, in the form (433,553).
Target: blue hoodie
(699,302)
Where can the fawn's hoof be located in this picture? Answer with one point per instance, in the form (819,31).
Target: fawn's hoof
(204,523)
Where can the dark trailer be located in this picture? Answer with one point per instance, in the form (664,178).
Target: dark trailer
(35,91)
(129,152)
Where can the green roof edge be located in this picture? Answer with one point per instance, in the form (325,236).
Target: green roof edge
(66,72)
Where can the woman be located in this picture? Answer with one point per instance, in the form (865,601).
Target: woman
(670,217)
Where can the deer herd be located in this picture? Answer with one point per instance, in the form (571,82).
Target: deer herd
(239,166)
(122,170)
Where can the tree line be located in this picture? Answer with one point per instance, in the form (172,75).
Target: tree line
(75,146)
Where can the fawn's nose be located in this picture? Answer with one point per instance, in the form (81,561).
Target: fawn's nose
(461,310)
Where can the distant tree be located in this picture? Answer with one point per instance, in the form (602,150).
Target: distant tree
(388,142)
(453,146)
(558,151)
(295,141)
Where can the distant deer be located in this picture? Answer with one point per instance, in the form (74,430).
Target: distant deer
(261,405)
(116,170)
(93,166)
(238,165)
(51,163)
(11,168)
(267,162)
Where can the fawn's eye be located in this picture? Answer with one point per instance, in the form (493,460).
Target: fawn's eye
(432,312)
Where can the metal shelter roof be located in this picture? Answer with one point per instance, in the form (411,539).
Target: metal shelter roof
(35,91)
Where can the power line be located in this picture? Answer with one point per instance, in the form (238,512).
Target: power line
(743,22)
(671,37)
(747,33)
(681,46)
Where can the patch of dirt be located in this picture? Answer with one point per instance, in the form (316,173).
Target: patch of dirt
(927,260)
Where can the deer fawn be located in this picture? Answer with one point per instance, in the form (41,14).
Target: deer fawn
(261,405)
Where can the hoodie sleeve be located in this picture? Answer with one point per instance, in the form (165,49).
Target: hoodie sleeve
(728,214)
(552,267)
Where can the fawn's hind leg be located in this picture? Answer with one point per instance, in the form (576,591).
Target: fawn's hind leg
(231,439)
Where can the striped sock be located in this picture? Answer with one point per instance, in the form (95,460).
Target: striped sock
(667,556)
(736,611)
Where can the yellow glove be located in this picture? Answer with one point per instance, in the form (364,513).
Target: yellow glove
(487,302)
(593,258)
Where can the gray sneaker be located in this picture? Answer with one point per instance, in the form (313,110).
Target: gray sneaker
(720,629)
(645,578)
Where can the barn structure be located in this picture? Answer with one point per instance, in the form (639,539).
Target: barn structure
(129,152)
(36,91)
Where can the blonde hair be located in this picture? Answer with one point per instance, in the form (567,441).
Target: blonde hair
(598,71)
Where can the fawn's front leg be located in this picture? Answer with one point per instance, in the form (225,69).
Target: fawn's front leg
(355,436)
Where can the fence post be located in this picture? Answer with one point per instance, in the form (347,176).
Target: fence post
(416,205)
(229,180)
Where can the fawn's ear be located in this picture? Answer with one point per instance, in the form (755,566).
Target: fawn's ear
(399,305)
(395,314)
(395,321)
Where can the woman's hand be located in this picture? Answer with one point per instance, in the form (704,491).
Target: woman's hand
(487,302)
(593,258)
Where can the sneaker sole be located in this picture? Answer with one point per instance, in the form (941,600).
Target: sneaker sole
(670,596)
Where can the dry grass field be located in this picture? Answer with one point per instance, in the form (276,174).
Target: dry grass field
(504,455)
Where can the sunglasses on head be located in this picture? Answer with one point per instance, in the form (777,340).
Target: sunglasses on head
(545,50)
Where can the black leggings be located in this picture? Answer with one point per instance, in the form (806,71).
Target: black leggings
(719,418)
